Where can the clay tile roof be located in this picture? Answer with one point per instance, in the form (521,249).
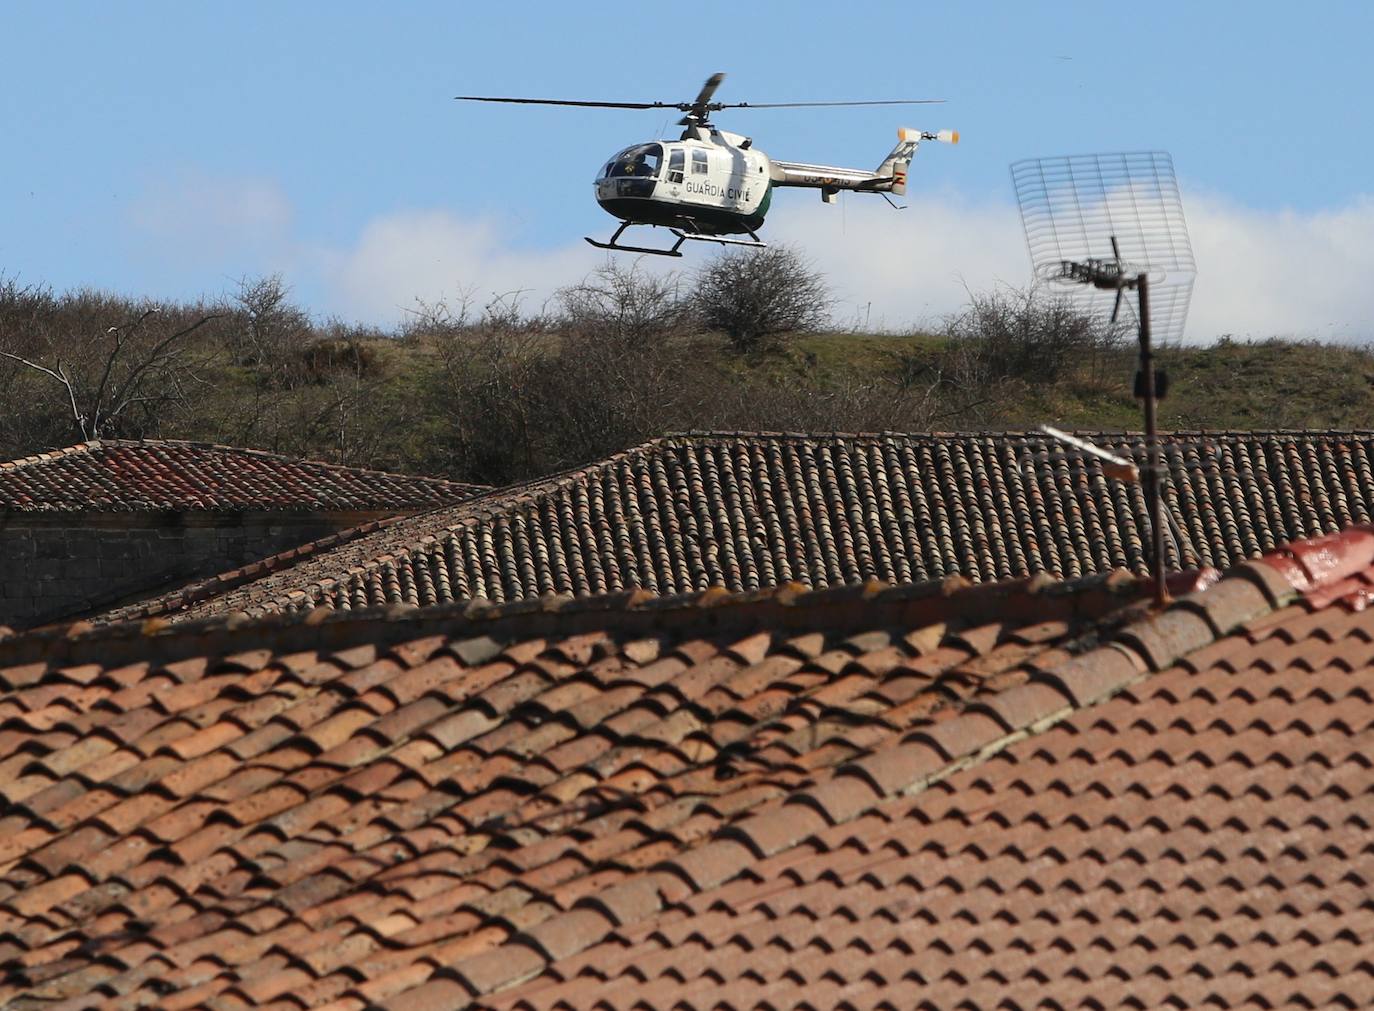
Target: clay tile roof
(157,474)
(1022,793)
(746,511)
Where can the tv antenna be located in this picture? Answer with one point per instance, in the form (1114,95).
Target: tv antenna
(1101,225)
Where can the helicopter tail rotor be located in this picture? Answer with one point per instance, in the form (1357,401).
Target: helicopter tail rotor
(898,161)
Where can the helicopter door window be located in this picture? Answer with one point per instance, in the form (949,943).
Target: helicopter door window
(698,163)
(676,161)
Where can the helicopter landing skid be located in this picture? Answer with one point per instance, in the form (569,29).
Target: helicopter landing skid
(754,242)
(637,249)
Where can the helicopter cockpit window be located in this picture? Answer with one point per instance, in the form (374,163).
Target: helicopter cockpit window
(642,161)
(699,163)
(676,160)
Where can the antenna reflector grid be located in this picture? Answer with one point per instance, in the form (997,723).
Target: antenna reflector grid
(1072,207)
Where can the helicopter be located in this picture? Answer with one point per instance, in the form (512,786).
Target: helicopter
(713,186)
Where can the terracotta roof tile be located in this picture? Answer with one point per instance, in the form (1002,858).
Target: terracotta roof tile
(744,511)
(156,474)
(878,796)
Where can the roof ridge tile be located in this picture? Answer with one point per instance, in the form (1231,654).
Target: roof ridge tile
(49,455)
(787,607)
(1161,638)
(219,447)
(176,475)
(1312,563)
(1095,675)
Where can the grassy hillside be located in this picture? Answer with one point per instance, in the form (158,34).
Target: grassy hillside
(504,398)
(1229,384)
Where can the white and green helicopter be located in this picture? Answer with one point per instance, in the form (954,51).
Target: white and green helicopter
(709,185)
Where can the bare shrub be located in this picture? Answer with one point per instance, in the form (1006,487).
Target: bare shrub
(757,297)
(267,329)
(626,304)
(484,392)
(327,358)
(439,318)
(1032,336)
(596,394)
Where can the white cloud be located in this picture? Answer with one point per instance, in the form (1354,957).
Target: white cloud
(432,255)
(894,269)
(1282,273)
(211,219)
(1260,273)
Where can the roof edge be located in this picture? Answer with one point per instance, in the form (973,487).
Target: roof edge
(38,459)
(1007,433)
(189,594)
(92,445)
(792,606)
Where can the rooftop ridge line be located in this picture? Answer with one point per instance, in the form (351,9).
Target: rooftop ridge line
(488,503)
(698,434)
(203,589)
(93,445)
(638,612)
(38,459)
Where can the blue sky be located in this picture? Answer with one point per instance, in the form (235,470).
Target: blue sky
(168,148)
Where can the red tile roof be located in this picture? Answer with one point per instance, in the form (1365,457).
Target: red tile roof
(746,511)
(1026,790)
(156,475)
(1201,838)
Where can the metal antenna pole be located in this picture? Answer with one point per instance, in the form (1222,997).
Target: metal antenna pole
(1073,209)
(1154,487)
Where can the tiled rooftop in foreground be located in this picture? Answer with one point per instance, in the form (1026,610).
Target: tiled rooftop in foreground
(122,475)
(746,511)
(1014,794)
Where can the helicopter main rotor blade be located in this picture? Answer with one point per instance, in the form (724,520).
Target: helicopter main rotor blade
(559,101)
(812,105)
(707,91)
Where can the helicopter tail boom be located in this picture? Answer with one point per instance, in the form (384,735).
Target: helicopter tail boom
(889,177)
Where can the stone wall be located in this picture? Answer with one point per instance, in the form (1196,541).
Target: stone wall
(55,567)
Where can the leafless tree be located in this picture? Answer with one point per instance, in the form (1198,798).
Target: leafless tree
(267,330)
(144,363)
(626,304)
(483,390)
(756,297)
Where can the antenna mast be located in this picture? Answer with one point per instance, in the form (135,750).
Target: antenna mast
(1080,212)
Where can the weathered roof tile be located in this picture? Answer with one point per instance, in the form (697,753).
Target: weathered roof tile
(114,475)
(894,507)
(773,796)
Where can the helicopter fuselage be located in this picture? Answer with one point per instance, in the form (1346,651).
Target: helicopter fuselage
(709,183)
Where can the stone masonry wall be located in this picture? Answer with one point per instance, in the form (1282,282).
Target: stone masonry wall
(54,567)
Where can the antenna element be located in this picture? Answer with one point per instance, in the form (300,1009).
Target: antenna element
(1102,225)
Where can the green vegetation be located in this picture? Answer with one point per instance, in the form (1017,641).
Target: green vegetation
(498,396)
